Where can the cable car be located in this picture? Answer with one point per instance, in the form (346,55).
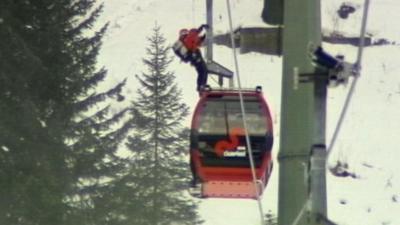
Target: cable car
(218,155)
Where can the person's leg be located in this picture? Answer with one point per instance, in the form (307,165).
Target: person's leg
(204,75)
(201,75)
(201,68)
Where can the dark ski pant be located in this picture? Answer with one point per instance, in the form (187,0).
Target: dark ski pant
(201,68)
(325,59)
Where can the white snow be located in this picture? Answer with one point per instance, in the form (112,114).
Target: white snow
(42,123)
(371,132)
(5,148)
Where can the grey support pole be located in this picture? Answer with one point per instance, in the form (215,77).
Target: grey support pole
(209,8)
(209,56)
(317,179)
(301,180)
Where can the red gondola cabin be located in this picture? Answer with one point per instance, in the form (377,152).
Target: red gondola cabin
(218,154)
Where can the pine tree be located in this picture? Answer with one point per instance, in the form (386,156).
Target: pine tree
(158,168)
(57,149)
(95,132)
(34,173)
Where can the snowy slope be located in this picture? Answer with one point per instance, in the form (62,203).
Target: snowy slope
(370,136)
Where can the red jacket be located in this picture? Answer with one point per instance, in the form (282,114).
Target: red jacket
(192,41)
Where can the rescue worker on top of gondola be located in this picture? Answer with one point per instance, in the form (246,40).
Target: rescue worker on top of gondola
(187,48)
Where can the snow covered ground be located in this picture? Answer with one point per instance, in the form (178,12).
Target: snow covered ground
(371,133)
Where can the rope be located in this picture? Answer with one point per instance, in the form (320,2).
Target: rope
(300,215)
(214,79)
(249,150)
(193,13)
(357,68)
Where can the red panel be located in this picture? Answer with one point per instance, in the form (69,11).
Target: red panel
(230,189)
(224,182)
(230,173)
